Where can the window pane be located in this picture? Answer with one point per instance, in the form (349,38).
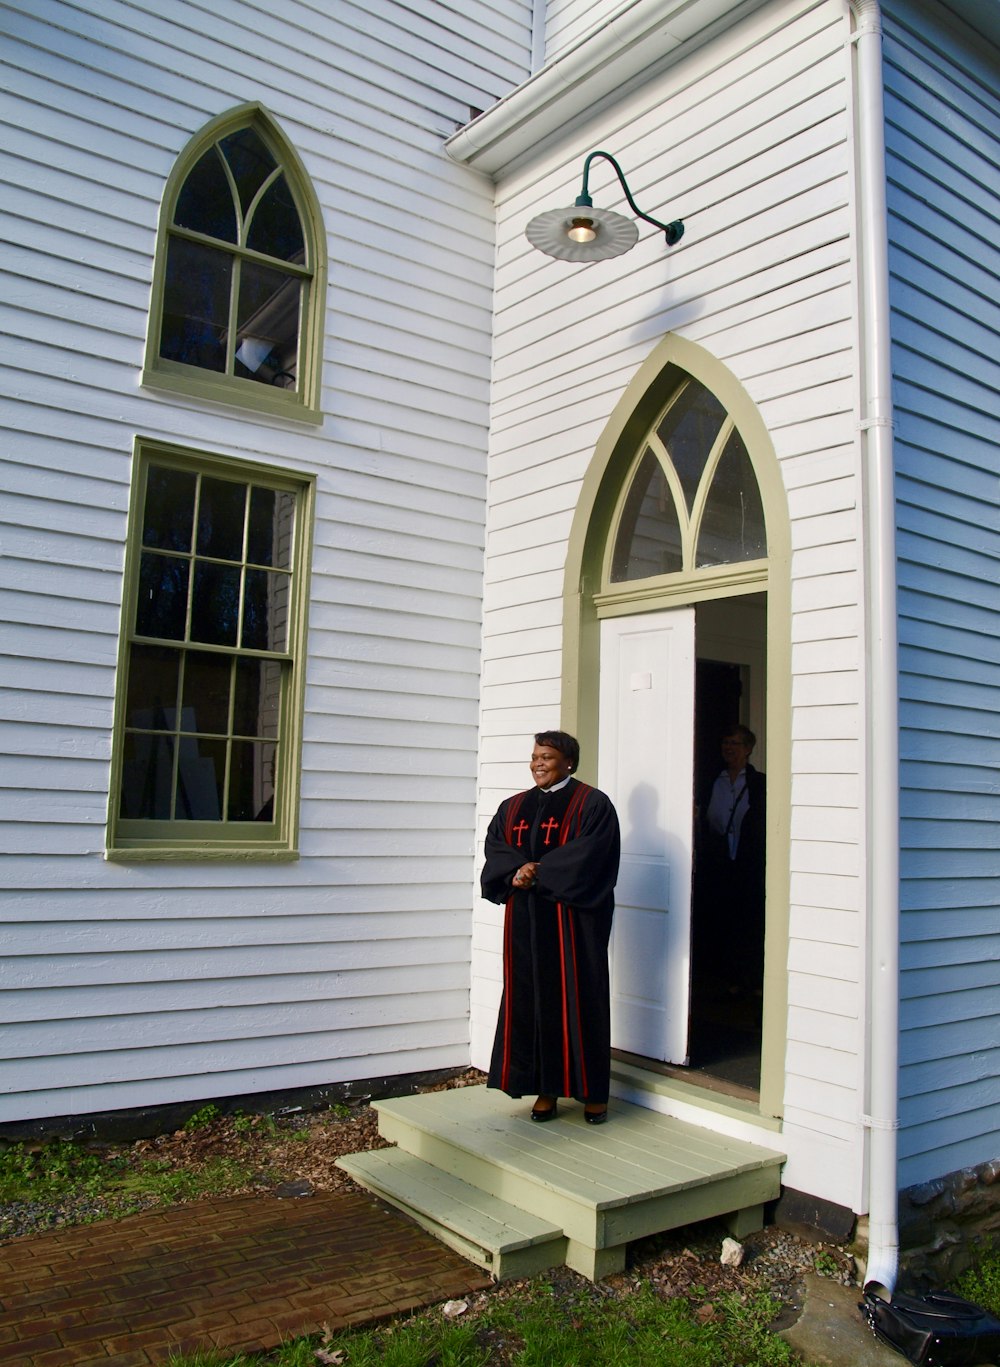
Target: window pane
(250,162)
(207,680)
(216,604)
(205,203)
(200,715)
(147,777)
(688,431)
(275,229)
(258,698)
(251,781)
(649,538)
(201,771)
(196,305)
(221,510)
(151,700)
(169,509)
(732,527)
(268,326)
(161,606)
(265,611)
(272,522)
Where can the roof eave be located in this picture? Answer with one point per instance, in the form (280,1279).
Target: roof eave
(639,39)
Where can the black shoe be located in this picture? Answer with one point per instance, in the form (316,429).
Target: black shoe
(595,1117)
(545,1113)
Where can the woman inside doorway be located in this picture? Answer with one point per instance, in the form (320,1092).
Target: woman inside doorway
(730,860)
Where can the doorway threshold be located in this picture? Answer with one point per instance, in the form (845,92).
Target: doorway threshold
(674,1091)
(693,1077)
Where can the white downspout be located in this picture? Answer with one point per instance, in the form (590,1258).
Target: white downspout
(883,686)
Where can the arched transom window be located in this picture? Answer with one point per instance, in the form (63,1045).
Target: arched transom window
(691,501)
(238,276)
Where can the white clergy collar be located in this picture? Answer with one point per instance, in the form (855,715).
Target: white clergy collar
(556,786)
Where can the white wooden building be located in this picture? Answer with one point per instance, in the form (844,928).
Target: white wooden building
(133,981)
(815,553)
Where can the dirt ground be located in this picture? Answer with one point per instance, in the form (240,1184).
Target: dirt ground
(293,1153)
(303,1149)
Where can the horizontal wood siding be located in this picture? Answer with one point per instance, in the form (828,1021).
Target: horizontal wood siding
(567,21)
(748,141)
(943,136)
(127,985)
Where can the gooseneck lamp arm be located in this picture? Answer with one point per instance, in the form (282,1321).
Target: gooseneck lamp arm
(672,231)
(582,232)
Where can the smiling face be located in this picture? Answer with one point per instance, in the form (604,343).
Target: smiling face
(549,766)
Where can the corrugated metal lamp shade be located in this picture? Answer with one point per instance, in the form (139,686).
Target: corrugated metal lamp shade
(583,233)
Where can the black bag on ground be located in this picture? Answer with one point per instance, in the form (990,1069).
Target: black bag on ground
(934,1330)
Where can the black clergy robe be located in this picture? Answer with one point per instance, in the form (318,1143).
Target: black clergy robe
(554,1030)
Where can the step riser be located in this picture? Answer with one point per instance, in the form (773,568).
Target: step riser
(658,1213)
(506,1242)
(503,1266)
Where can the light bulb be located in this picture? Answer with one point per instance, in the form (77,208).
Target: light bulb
(582,230)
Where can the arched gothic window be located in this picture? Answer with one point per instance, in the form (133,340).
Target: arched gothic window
(239,277)
(692,500)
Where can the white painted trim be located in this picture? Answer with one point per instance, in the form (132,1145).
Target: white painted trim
(883,682)
(537,35)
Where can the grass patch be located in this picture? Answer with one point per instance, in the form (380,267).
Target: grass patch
(981,1283)
(61,1174)
(202,1118)
(536,1326)
(54,1172)
(166,1184)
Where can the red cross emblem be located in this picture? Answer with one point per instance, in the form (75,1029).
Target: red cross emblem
(519,830)
(548,827)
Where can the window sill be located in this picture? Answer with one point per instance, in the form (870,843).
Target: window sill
(234,393)
(230,854)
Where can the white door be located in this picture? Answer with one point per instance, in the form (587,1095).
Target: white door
(646,768)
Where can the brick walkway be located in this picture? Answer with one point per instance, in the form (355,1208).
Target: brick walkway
(243,1273)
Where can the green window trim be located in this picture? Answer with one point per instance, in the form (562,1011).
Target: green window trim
(240,264)
(210,691)
(689,511)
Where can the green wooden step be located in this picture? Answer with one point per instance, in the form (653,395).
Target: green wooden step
(602,1186)
(507,1241)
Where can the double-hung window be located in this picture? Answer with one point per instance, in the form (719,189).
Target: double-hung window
(210,688)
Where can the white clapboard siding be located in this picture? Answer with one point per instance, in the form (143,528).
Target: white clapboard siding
(757,163)
(373,1052)
(943,139)
(119,1001)
(567,21)
(191,980)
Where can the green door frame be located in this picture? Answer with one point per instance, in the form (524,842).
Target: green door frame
(584,584)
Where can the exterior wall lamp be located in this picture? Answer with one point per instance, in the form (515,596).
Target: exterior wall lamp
(583,233)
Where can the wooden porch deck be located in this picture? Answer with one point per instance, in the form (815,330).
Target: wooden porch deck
(517,1197)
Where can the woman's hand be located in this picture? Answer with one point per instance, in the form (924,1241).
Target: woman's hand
(525,876)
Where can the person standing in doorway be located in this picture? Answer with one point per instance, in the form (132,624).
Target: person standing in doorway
(731,859)
(552,856)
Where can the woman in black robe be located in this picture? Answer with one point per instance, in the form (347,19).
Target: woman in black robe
(552,855)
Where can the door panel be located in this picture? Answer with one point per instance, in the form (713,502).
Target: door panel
(645,766)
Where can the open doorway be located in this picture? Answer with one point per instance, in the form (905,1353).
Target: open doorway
(727,906)
(687,945)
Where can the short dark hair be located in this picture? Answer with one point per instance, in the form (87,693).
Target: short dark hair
(745,735)
(563,742)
